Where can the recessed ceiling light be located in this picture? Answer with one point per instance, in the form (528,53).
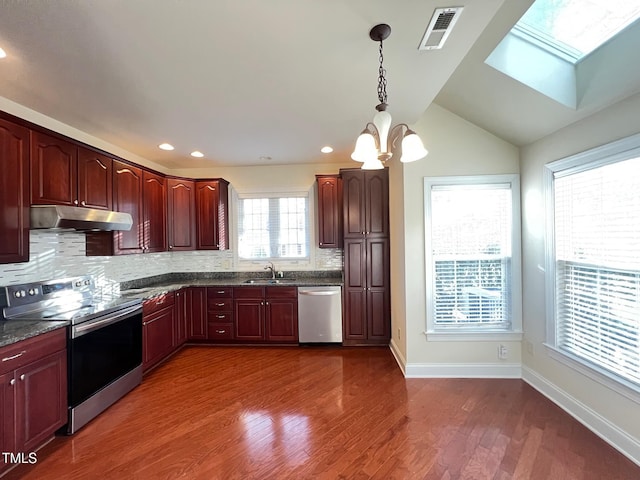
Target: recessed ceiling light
(166,146)
(3,54)
(264,158)
(326,149)
(197,154)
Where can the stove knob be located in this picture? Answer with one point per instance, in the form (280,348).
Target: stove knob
(32,292)
(79,283)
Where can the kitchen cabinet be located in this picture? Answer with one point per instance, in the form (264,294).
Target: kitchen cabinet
(62,173)
(181,329)
(143,195)
(14,193)
(33,373)
(266,314)
(197,313)
(181,214)
(212,211)
(154,201)
(367,319)
(329,211)
(157,329)
(220,314)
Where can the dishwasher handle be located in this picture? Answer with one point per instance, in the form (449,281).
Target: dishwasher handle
(318,292)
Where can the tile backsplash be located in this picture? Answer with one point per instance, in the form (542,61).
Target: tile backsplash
(58,254)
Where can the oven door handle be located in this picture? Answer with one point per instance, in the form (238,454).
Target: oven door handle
(84,328)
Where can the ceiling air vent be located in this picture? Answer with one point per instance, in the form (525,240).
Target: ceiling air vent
(439,28)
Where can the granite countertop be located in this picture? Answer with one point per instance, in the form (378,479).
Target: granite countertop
(12,331)
(155,289)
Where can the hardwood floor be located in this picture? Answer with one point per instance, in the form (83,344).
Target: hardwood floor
(324,413)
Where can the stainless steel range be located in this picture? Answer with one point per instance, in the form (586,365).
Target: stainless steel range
(104,339)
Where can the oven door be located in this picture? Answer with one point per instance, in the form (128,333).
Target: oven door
(103,350)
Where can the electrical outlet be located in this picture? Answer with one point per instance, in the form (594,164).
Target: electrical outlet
(502,352)
(398,334)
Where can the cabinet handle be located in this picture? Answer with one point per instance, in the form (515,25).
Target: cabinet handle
(22,377)
(221,331)
(221,291)
(75,202)
(12,357)
(170,247)
(12,382)
(220,316)
(261,303)
(219,304)
(83,203)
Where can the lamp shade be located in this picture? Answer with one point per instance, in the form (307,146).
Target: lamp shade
(373,164)
(365,148)
(412,147)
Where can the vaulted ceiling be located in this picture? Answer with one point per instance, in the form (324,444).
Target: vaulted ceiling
(242,80)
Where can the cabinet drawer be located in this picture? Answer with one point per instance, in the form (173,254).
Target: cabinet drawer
(219,292)
(220,331)
(248,292)
(157,303)
(220,317)
(220,305)
(24,352)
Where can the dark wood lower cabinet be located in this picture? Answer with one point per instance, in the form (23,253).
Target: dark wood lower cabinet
(158,338)
(197,313)
(181,329)
(33,392)
(266,314)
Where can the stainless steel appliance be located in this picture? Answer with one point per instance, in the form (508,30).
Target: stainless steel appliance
(104,339)
(320,314)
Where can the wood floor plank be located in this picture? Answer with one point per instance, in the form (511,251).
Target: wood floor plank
(324,413)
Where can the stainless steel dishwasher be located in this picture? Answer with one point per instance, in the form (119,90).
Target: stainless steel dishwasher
(320,314)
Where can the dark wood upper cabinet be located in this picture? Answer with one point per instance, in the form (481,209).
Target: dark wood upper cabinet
(212,213)
(95,179)
(181,214)
(154,201)
(63,173)
(54,167)
(366,203)
(14,193)
(329,211)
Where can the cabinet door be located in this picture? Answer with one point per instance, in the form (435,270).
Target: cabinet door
(95,179)
(41,400)
(249,319)
(378,306)
(212,215)
(14,193)
(53,171)
(354,211)
(197,309)
(154,201)
(157,337)
(180,319)
(7,406)
(377,203)
(355,289)
(281,319)
(127,197)
(329,211)
(181,214)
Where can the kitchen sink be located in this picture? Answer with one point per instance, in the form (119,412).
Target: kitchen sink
(268,281)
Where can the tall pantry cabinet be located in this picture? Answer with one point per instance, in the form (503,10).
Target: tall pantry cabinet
(367,310)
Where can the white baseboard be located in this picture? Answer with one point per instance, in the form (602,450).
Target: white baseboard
(613,435)
(463,370)
(397,354)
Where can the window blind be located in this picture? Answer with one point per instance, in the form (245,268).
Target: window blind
(273,227)
(597,266)
(471,237)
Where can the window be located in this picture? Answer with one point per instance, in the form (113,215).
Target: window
(576,28)
(472,254)
(594,260)
(273,227)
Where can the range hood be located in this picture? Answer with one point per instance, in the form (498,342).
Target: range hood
(78,218)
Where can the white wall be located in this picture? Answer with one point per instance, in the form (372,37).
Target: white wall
(456,147)
(612,415)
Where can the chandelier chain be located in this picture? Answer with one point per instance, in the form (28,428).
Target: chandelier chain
(382,80)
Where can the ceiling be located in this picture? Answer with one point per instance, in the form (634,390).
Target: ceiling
(241,80)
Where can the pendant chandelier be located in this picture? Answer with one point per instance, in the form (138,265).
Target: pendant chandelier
(378,141)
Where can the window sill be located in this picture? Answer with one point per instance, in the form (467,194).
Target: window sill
(474,336)
(603,377)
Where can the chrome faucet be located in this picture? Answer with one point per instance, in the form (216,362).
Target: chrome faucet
(273,270)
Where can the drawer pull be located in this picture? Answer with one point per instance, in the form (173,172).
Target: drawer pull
(219,304)
(12,382)
(222,291)
(220,332)
(221,316)
(13,357)
(22,377)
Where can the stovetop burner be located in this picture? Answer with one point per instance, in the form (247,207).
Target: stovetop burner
(71,299)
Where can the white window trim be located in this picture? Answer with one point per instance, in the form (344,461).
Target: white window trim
(248,265)
(624,149)
(463,333)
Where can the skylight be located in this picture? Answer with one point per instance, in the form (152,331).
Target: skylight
(575,28)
